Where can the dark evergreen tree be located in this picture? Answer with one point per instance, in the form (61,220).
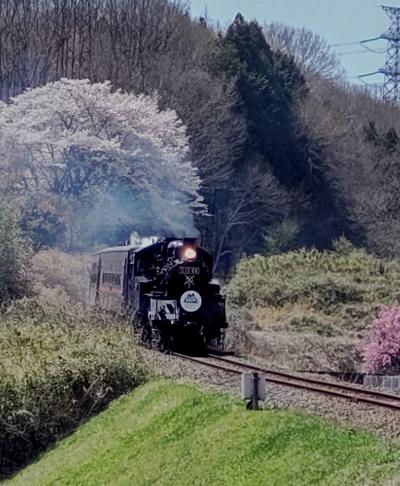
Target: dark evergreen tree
(269,86)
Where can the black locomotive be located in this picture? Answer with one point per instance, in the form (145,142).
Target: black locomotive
(168,291)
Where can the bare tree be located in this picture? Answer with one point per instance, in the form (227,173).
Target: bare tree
(356,135)
(255,201)
(309,50)
(122,41)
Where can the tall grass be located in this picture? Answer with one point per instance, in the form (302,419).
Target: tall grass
(57,368)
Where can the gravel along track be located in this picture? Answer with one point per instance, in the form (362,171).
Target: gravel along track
(373,418)
(336,389)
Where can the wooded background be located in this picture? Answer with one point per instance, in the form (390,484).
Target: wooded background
(289,154)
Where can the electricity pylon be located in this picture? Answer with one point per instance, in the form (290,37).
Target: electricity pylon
(391,71)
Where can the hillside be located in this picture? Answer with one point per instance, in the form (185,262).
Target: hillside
(267,135)
(174,434)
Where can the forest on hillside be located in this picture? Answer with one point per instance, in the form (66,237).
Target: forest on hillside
(274,149)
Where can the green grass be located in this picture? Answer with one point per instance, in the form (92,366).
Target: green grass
(173,434)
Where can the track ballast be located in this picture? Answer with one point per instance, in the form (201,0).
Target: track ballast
(345,391)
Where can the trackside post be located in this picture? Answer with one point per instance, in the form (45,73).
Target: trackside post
(253,389)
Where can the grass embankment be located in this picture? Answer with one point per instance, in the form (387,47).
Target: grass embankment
(313,307)
(173,434)
(57,368)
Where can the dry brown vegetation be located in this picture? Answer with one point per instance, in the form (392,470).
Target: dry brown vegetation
(61,277)
(293,338)
(311,309)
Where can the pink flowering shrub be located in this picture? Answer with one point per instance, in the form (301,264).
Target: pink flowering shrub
(381,354)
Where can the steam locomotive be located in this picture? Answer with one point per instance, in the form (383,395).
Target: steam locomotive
(168,291)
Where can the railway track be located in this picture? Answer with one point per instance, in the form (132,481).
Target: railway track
(338,390)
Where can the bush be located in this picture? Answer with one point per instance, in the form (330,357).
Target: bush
(15,254)
(61,277)
(346,283)
(381,354)
(58,368)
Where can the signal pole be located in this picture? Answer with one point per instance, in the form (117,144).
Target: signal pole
(391,71)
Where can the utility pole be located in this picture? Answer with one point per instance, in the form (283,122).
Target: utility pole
(391,71)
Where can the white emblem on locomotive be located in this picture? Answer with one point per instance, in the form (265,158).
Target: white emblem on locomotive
(190,301)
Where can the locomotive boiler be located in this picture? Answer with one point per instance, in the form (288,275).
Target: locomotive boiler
(168,291)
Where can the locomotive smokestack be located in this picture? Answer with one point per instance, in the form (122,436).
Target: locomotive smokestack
(136,240)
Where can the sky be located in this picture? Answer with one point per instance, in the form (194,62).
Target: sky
(338,21)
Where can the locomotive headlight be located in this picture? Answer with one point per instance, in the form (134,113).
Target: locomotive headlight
(189,253)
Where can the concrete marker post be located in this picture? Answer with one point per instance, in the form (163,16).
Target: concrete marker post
(253,389)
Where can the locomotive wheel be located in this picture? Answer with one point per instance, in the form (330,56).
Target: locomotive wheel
(192,342)
(201,345)
(146,336)
(138,321)
(200,342)
(218,344)
(156,340)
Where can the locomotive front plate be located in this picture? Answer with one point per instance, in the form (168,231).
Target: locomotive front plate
(189,270)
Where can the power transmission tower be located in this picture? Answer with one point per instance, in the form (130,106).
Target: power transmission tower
(391,71)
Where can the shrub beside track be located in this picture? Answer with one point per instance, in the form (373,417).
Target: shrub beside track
(57,368)
(310,309)
(347,283)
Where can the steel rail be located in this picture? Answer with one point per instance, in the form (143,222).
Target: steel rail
(337,386)
(281,378)
(328,388)
(208,363)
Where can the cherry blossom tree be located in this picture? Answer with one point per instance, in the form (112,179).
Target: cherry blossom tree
(382,351)
(74,142)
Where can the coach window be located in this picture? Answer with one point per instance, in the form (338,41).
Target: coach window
(112,279)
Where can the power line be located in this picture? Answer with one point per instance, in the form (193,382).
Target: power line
(343,44)
(360,76)
(355,43)
(371,39)
(363,51)
(369,49)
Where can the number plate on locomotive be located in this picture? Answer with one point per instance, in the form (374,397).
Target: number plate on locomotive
(189,270)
